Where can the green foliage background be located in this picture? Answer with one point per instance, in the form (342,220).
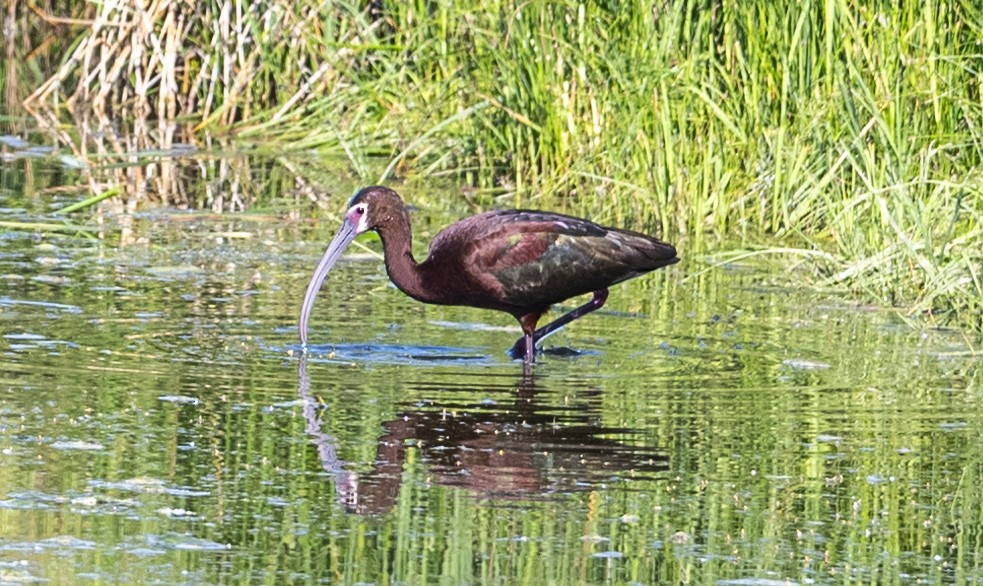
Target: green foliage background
(844,134)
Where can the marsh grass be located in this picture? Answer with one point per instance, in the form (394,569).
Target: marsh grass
(820,126)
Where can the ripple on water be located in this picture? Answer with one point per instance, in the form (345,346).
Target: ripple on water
(390,354)
(62,307)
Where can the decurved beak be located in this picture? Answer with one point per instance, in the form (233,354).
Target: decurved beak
(341,241)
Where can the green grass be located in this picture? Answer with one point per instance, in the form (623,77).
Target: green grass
(853,130)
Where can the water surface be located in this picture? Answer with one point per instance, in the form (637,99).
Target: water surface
(157,424)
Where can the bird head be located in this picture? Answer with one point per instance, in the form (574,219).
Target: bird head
(372,208)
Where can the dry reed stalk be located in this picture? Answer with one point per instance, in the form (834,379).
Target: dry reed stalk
(164,59)
(127,68)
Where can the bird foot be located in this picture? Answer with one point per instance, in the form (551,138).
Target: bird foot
(518,350)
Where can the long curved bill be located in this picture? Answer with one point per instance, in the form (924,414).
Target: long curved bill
(341,241)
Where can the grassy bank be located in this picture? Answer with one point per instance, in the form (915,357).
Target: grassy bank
(848,133)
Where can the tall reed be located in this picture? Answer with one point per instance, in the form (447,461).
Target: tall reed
(824,125)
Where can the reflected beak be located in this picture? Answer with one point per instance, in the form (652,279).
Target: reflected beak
(341,241)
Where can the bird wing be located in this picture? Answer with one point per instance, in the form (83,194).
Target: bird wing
(536,259)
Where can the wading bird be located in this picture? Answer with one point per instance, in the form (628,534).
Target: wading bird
(517,261)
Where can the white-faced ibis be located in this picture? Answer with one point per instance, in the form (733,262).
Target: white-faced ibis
(517,261)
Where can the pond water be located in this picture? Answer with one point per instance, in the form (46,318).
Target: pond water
(158,424)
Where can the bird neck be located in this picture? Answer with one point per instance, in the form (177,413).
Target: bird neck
(403,270)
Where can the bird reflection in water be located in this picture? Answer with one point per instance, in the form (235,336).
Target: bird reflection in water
(522,451)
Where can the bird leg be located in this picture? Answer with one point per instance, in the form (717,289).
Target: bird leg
(525,346)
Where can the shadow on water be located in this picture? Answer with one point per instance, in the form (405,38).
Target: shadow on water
(523,450)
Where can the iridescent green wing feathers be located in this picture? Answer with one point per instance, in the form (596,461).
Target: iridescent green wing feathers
(537,258)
